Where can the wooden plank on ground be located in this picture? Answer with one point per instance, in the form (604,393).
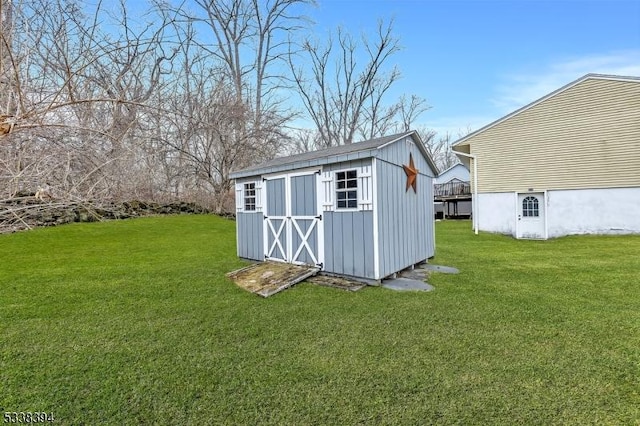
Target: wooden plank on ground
(268,278)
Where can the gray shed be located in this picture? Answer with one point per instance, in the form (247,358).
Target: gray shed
(363,210)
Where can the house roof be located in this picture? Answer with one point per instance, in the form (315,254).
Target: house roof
(465,140)
(453,167)
(353,151)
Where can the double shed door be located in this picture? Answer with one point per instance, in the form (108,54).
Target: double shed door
(293,222)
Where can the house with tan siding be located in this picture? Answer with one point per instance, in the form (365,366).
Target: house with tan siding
(568,163)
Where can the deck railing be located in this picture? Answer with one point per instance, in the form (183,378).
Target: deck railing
(452,189)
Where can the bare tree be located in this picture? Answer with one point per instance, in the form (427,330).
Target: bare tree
(7,68)
(338,95)
(439,147)
(224,108)
(249,39)
(95,103)
(303,140)
(78,90)
(206,130)
(409,109)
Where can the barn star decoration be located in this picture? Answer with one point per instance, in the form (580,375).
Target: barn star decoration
(412,175)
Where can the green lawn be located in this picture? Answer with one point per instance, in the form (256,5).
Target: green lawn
(134,322)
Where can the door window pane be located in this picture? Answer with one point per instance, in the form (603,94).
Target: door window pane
(530,207)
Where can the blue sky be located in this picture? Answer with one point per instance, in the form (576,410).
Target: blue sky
(475,61)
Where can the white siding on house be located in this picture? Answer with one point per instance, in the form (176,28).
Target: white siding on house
(568,212)
(594,211)
(498,212)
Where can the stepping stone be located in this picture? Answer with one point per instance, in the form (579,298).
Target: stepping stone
(440,268)
(406,284)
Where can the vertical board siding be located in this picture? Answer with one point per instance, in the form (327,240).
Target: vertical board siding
(348,240)
(398,153)
(348,235)
(304,204)
(250,235)
(358,247)
(329,260)
(275,197)
(405,218)
(276,206)
(303,195)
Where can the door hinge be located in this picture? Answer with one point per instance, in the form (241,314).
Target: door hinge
(319,217)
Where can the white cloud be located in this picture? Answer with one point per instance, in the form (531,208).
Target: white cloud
(520,89)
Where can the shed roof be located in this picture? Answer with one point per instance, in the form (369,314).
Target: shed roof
(457,145)
(336,154)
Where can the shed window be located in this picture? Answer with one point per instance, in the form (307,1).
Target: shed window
(250,196)
(347,189)
(530,207)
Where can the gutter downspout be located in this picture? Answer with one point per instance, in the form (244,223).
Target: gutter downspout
(474,202)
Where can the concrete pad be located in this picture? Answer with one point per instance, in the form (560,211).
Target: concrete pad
(440,268)
(406,284)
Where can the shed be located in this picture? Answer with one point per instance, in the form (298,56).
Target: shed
(363,210)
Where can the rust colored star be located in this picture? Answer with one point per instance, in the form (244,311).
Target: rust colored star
(412,175)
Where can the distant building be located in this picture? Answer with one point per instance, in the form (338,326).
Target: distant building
(452,193)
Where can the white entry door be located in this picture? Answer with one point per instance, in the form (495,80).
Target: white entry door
(293,223)
(531,216)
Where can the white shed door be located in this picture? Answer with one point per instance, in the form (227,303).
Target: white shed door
(531,216)
(293,223)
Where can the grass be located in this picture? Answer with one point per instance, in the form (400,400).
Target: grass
(134,322)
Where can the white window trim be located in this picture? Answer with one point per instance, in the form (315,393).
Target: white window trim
(241,196)
(376,236)
(365,191)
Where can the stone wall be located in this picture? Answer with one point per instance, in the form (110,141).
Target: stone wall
(27,211)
